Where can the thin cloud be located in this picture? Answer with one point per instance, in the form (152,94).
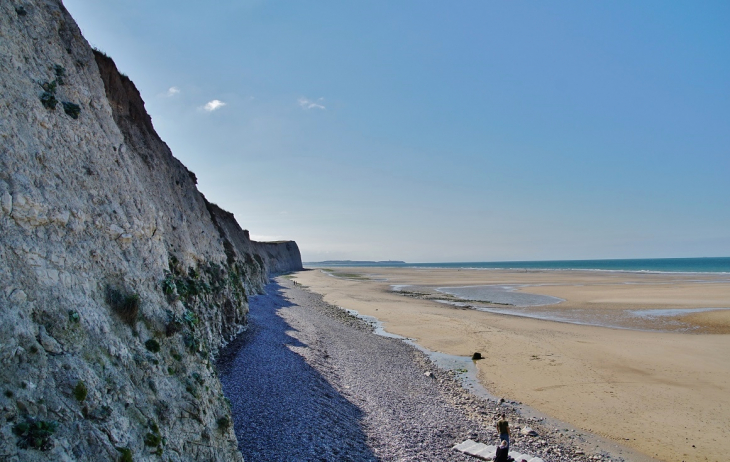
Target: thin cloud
(306,103)
(211,106)
(172,91)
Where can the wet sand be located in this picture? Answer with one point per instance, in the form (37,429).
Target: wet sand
(658,385)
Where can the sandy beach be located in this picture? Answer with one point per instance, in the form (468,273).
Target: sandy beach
(657,383)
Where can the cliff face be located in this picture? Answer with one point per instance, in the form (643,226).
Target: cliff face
(118,280)
(279,257)
(262,259)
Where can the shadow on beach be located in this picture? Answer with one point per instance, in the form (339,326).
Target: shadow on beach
(283,409)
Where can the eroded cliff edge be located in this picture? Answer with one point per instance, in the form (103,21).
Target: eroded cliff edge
(118,279)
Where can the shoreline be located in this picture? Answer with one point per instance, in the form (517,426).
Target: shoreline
(611,381)
(341,392)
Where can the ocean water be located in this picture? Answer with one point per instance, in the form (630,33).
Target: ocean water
(669,265)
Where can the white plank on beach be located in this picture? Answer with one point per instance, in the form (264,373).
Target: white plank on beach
(493,449)
(465,445)
(487,453)
(473,450)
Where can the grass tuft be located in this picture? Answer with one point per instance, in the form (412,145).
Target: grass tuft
(152,345)
(223,423)
(35,433)
(71,109)
(126,455)
(80,391)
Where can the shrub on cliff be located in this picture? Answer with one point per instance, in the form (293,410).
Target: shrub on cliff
(152,345)
(80,391)
(71,109)
(35,433)
(125,305)
(48,97)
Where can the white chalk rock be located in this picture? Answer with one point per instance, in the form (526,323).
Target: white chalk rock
(48,343)
(7,203)
(115,231)
(61,217)
(18,296)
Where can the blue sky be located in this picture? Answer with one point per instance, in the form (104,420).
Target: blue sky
(443,131)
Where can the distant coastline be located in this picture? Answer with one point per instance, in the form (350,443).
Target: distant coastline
(661,265)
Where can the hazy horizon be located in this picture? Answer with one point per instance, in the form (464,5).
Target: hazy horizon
(525,261)
(433,133)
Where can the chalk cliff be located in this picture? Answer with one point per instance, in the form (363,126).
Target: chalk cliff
(118,279)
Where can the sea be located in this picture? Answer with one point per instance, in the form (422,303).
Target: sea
(663,265)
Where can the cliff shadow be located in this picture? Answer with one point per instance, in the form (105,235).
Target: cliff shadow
(284,409)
